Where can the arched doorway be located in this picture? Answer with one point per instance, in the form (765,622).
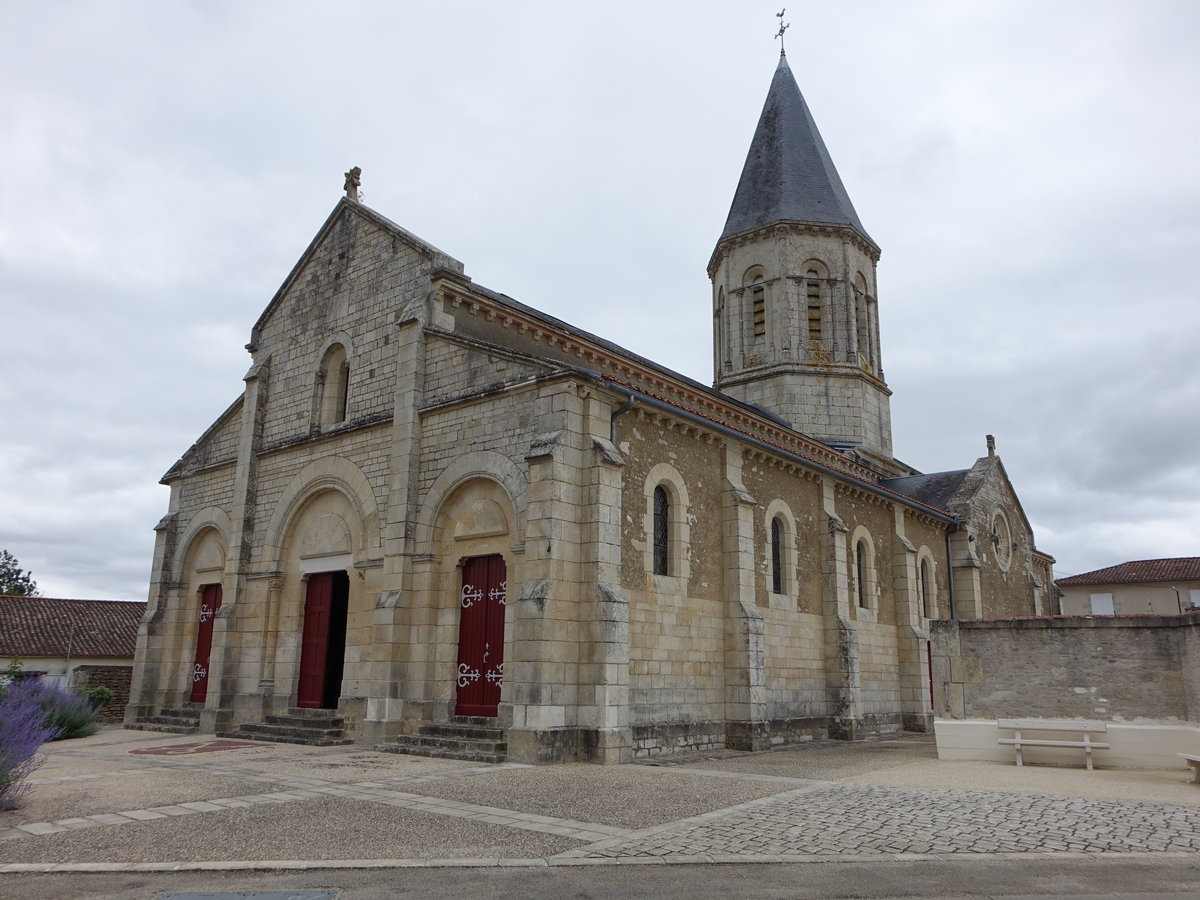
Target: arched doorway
(323,643)
(482,600)
(210,602)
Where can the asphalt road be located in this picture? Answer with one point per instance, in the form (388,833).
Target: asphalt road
(1161,879)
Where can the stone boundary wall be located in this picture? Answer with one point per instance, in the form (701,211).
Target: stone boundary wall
(1114,668)
(115,678)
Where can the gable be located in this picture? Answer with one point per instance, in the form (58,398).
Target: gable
(336,253)
(985,488)
(360,276)
(218,445)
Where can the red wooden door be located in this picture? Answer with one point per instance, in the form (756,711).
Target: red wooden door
(210,602)
(481,636)
(314,645)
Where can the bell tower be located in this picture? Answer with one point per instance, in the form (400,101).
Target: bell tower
(795,321)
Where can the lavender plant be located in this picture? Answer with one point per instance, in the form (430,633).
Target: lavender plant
(23,730)
(67,711)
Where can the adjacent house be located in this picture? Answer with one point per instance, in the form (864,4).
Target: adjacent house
(1138,587)
(77,643)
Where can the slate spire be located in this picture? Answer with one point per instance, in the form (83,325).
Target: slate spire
(789,175)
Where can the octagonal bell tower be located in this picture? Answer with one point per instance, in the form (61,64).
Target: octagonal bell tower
(795,321)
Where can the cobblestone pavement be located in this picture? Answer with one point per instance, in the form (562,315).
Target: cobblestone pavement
(806,820)
(838,819)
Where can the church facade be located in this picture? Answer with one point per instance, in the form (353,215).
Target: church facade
(434,506)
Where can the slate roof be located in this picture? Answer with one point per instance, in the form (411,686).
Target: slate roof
(42,626)
(1140,571)
(933,489)
(789,176)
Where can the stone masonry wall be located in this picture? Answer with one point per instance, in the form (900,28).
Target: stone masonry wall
(115,678)
(1116,669)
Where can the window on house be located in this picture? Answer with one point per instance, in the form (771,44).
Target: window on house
(776,555)
(662,531)
(1102,604)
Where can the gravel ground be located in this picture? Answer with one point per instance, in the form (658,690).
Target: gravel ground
(360,765)
(622,796)
(913,763)
(68,799)
(325,828)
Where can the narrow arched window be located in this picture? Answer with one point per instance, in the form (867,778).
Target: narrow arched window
(813,297)
(861,564)
(776,556)
(753,281)
(862,322)
(333,386)
(662,531)
(928,605)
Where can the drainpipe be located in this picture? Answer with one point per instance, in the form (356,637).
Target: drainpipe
(630,402)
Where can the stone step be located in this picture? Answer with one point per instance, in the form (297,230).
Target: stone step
(476,721)
(180,723)
(281,738)
(303,712)
(439,752)
(453,743)
(184,712)
(164,728)
(290,730)
(462,730)
(324,722)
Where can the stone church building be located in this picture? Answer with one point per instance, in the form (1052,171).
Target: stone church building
(442,521)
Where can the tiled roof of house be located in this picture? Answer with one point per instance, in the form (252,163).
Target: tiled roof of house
(45,626)
(1138,571)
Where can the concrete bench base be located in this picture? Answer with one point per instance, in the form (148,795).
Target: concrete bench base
(1146,745)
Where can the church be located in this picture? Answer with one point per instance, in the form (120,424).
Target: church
(440,521)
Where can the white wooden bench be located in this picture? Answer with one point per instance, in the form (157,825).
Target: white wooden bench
(1085,729)
(1194,762)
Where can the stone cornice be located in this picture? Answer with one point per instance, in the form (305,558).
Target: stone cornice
(779,229)
(638,373)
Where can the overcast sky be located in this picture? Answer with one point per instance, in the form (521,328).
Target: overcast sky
(1029,168)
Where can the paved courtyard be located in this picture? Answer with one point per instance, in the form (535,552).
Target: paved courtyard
(133,801)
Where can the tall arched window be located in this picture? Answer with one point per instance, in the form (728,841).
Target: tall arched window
(862,572)
(776,555)
(662,531)
(756,293)
(862,321)
(815,276)
(333,385)
(928,597)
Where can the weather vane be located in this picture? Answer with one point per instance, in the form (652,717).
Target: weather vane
(783,26)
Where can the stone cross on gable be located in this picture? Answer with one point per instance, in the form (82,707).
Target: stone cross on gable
(353,180)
